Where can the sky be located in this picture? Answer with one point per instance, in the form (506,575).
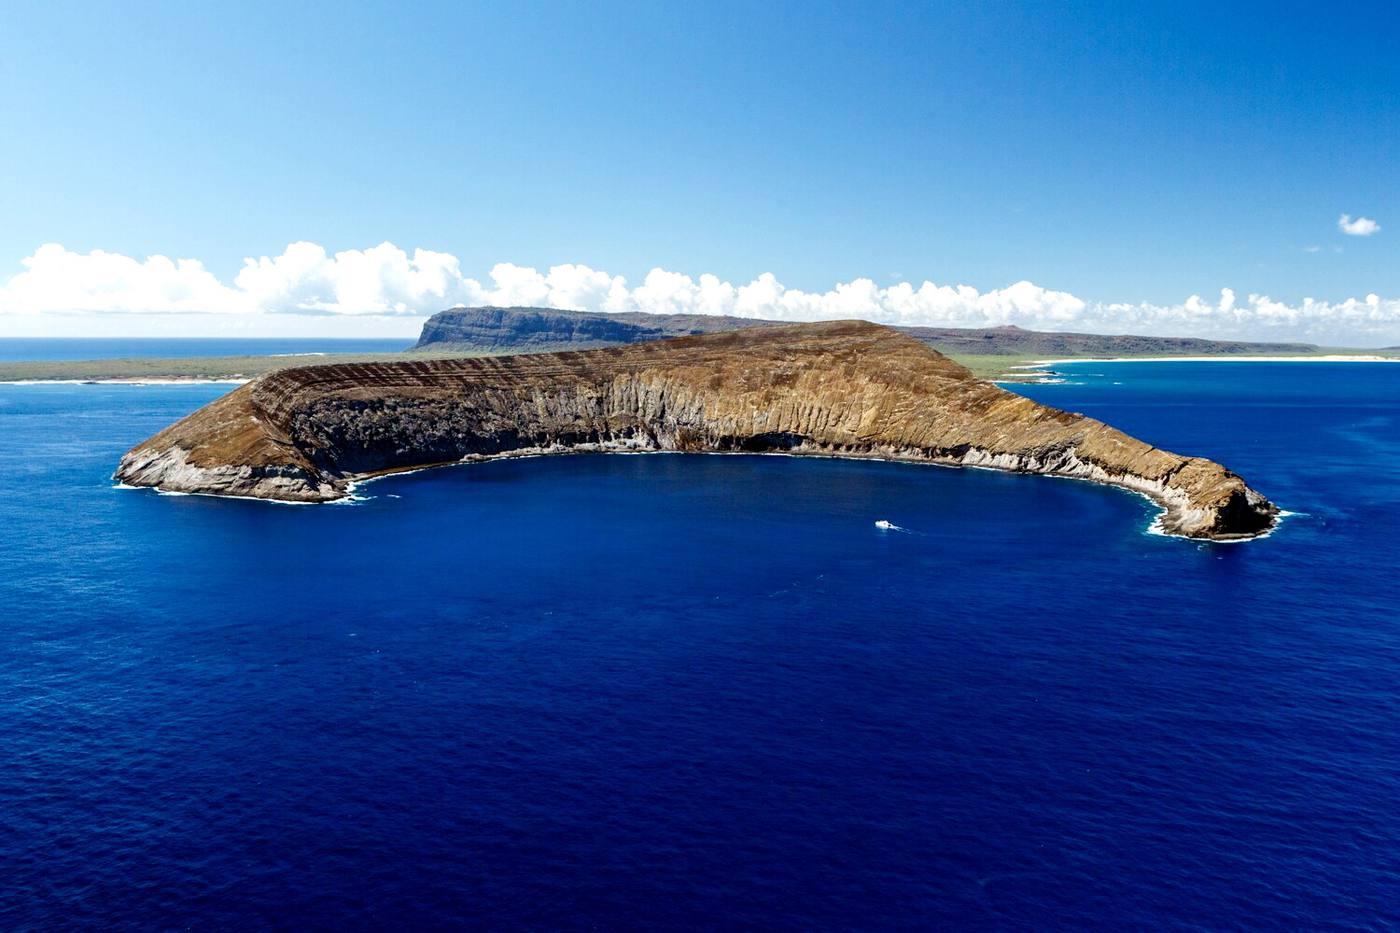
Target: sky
(305,169)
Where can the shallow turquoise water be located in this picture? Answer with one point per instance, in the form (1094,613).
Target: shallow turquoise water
(690,691)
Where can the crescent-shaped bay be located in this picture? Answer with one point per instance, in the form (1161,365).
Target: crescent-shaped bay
(837,389)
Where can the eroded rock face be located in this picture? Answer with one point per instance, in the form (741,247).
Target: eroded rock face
(845,389)
(537,330)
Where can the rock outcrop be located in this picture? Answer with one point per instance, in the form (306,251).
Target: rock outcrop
(533,330)
(842,389)
(538,330)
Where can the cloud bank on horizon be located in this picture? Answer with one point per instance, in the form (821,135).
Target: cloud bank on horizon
(394,290)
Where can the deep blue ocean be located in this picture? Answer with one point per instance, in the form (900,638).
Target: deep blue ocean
(707,692)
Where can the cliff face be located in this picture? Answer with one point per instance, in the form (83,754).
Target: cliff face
(847,389)
(530,330)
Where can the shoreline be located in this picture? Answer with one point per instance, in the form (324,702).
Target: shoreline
(1156,527)
(1013,370)
(1332,358)
(171,381)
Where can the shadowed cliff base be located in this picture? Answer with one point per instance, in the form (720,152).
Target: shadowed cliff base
(841,389)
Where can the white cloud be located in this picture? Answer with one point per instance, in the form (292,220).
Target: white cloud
(384,290)
(55,279)
(566,286)
(379,280)
(1361,226)
(303,279)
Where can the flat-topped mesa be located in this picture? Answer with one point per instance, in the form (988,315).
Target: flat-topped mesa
(843,389)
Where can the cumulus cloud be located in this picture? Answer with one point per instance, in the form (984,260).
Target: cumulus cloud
(55,279)
(1259,317)
(1361,226)
(304,279)
(307,290)
(381,280)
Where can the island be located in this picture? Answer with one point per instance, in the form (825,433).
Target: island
(1007,354)
(838,389)
(489,329)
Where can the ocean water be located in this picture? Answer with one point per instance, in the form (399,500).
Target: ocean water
(14,349)
(690,691)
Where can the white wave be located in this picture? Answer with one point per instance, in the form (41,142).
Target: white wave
(1157,530)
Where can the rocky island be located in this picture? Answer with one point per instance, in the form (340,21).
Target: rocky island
(838,389)
(527,330)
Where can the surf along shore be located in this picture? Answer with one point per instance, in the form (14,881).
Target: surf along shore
(239,369)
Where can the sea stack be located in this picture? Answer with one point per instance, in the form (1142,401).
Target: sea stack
(838,389)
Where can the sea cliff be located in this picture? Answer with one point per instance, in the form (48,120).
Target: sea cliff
(843,389)
(533,330)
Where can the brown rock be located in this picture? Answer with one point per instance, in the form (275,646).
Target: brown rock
(844,389)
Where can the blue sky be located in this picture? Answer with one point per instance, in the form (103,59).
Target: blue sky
(1123,153)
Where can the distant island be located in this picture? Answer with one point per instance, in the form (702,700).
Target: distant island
(532,330)
(841,389)
(1006,354)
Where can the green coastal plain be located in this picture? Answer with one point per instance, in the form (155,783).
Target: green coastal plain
(1020,368)
(192,368)
(1004,354)
(999,367)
